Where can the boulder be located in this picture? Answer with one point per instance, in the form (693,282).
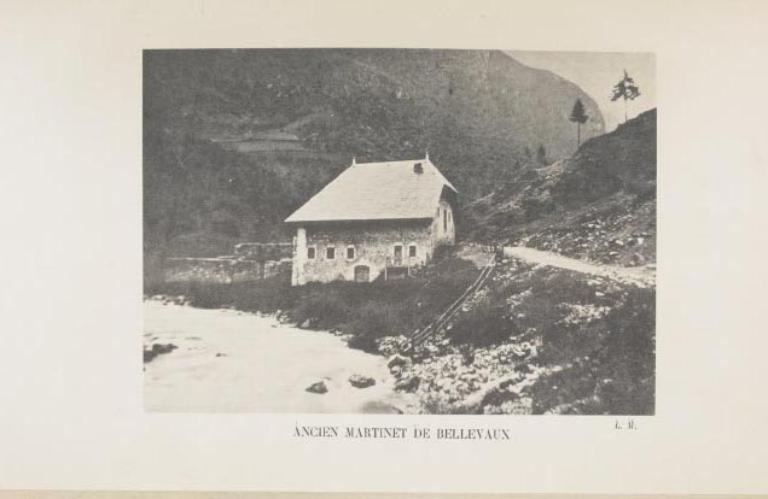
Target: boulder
(318,387)
(524,368)
(163,348)
(397,360)
(408,384)
(491,394)
(359,381)
(304,325)
(158,349)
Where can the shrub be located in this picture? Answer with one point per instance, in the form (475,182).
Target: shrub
(536,208)
(487,323)
(367,311)
(616,373)
(324,310)
(629,354)
(375,320)
(208,295)
(267,295)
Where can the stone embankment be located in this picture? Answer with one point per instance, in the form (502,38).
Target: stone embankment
(251,262)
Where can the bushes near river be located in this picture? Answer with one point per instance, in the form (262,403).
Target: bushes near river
(364,311)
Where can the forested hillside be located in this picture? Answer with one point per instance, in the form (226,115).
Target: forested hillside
(234,140)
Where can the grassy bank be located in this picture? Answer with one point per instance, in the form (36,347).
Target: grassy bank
(558,341)
(366,311)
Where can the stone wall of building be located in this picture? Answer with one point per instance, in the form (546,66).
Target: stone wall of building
(443,229)
(359,245)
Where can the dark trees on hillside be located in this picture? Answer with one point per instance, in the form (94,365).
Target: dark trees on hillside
(578,116)
(541,155)
(627,90)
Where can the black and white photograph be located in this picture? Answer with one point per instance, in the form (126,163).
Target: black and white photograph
(399,231)
(293,249)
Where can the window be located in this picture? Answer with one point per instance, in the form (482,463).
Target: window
(311,253)
(330,253)
(445,220)
(412,250)
(350,252)
(398,251)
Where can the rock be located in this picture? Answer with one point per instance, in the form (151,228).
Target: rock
(396,371)
(304,325)
(359,381)
(490,394)
(408,384)
(158,349)
(391,345)
(219,354)
(397,360)
(318,387)
(524,368)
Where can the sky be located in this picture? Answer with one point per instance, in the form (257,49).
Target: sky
(597,72)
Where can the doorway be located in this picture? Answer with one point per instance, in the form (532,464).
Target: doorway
(362,273)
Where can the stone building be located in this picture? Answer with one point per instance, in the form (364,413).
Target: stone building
(375,220)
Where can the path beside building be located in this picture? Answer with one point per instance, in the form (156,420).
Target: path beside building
(640,276)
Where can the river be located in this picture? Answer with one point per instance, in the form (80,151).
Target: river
(230,361)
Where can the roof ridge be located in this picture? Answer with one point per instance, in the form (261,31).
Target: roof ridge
(413,160)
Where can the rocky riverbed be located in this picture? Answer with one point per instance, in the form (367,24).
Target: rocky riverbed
(452,380)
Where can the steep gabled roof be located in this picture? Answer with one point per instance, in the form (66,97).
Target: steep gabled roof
(377,191)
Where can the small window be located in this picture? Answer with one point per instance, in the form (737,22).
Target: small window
(311,253)
(412,250)
(350,252)
(330,253)
(445,220)
(398,251)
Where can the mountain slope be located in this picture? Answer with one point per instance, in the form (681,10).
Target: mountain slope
(599,204)
(234,140)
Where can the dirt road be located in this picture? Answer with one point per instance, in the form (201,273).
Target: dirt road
(640,276)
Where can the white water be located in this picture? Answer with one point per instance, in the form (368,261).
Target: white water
(264,366)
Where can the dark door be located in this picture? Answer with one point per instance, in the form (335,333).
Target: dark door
(398,254)
(362,273)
